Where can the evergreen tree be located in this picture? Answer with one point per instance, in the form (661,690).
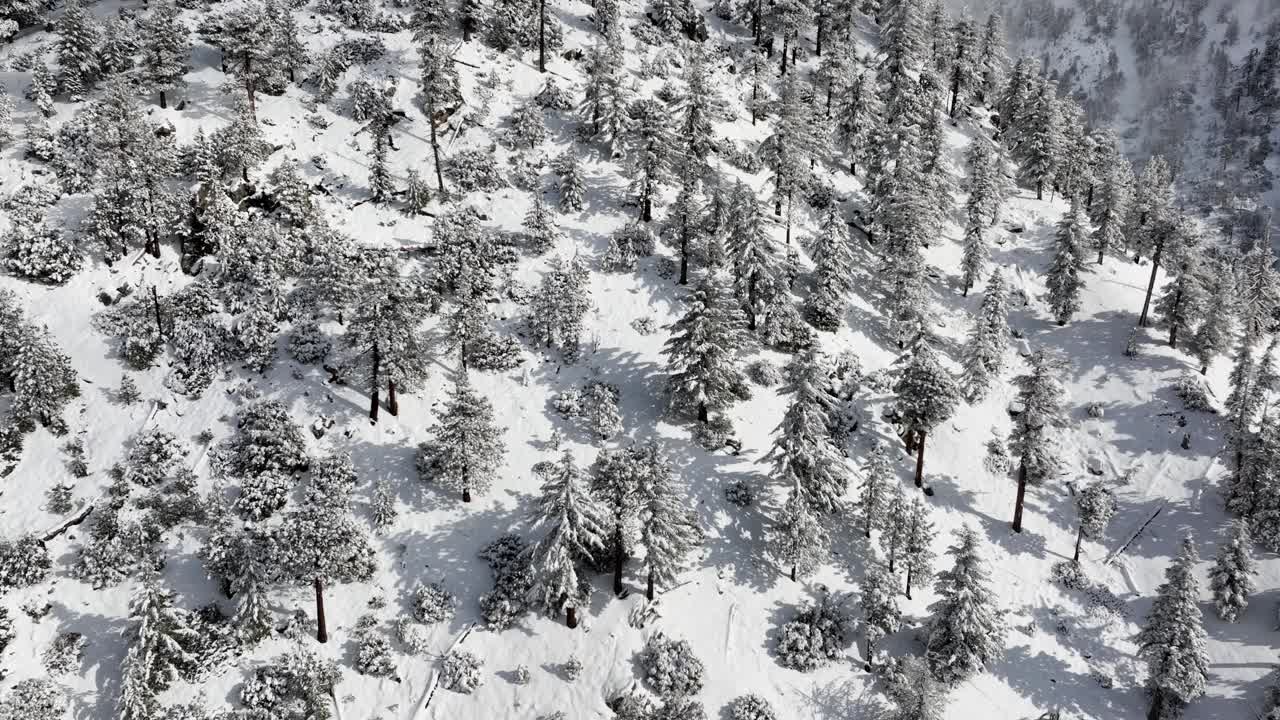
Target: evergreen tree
(166,50)
(429,19)
(976,253)
(927,396)
(648,153)
(914,692)
(668,529)
(287,48)
(606,99)
(1040,393)
(982,357)
(880,613)
(966,74)
(917,547)
(468,449)
(1173,641)
(119,45)
(1063,276)
(440,88)
(803,454)
(1243,403)
(984,179)
(684,221)
(1043,140)
(893,537)
(615,482)
(381,187)
(750,253)
(562,300)
(797,538)
(42,381)
(161,642)
(857,115)
(417,192)
(832,253)
(967,632)
(1112,211)
(1231,577)
(245,35)
(1095,505)
(877,477)
(991,58)
(572,186)
(787,152)
(1213,336)
(701,351)
(384,339)
(78,36)
(1259,290)
(572,525)
(1182,302)
(540,226)
(699,106)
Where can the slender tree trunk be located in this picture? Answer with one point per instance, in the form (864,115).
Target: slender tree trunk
(571,617)
(373,394)
(1088,199)
(1151,285)
(793,573)
(393,404)
(435,147)
(684,251)
(163,104)
(907,584)
(870,663)
(648,592)
(291,75)
(966,289)
(248,87)
(155,303)
(619,557)
(322,635)
(817,44)
(955,95)
(853,168)
(542,36)
(466,494)
(646,209)
(1039,189)
(1157,706)
(1022,495)
(786,41)
(1173,324)
(1079,536)
(920,458)
(703,415)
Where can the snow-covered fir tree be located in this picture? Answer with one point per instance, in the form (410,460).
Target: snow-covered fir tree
(1095,504)
(1213,336)
(1111,209)
(166,51)
(1035,430)
(79,34)
(384,340)
(880,613)
(1258,290)
(832,253)
(1063,275)
(1231,577)
(967,631)
(1181,303)
(381,187)
(649,149)
(560,304)
(982,356)
(606,99)
(572,183)
(877,477)
(1173,640)
(751,253)
(797,539)
(856,117)
(976,253)
(540,226)
(668,528)
(803,453)
(915,693)
(917,546)
(572,525)
(702,351)
(927,395)
(467,450)
(161,641)
(1042,144)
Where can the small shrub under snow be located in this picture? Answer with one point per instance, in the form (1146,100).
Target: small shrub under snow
(670,667)
(460,671)
(739,493)
(751,707)
(373,657)
(433,604)
(1193,391)
(817,634)
(764,373)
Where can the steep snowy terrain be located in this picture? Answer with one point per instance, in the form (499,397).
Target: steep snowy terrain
(1066,652)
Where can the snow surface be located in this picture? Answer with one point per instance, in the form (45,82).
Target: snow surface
(729,604)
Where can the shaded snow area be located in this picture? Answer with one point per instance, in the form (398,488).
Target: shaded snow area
(187,591)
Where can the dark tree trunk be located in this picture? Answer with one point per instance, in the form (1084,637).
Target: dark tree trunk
(648,592)
(542,36)
(435,147)
(619,558)
(1157,706)
(822,26)
(684,251)
(1151,285)
(646,209)
(786,41)
(571,617)
(466,494)
(777,208)
(248,87)
(1173,325)
(1039,189)
(155,303)
(703,415)
(322,635)
(291,76)
(955,96)
(393,404)
(1022,496)
(853,168)
(793,573)
(1088,199)
(1079,536)
(373,394)
(966,290)
(920,458)
(907,584)
(163,103)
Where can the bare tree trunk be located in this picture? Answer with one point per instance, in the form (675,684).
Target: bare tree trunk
(907,584)
(393,405)
(793,573)
(648,593)
(155,303)
(322,635)
(1157,706)
(163,104)
(919,459)
(619,557)
(1022,495)
(542,36)
(1151,284)
(373,395)
(571,617)
(786,41)
(703,415)
(684,251)
(435,147)
(1079,537)
(466,494)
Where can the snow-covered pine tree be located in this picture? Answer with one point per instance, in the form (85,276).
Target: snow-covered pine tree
(1173,640)
(984,180)
(832,253)
(668,528)
(649,150)
(381,187)
(161,642)
(880,613)
(976,253)
(572,185)
(245,36)
(615,482)
(1112,209)
(383,505)
(1231,578)
(528,126)
(440,88)
(572,524)
(982,356)
(287,48)
(802,452)
(699,105)
(1041,395)
(797,539)
(967,631)
(384,339)
(1152,195)
(606,99)
(42,381)
(560,303)
(42,89)
(786,18)
(1042,145)
(78,36)
(119,45)
(417,192)
(166,51)
(916,695)
(1181,303)
(917,546)
(758,101)
(684,220)
(1259,290)
(787,152)
(702,351)
(1095,504)
(992,59)
(750,252)
(1063,276)
(1213,337)
(540,226)
(468,449)
(857,115)
(927,395)
(429,18)
(877,477)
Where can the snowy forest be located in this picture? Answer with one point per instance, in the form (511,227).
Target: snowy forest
(639,359)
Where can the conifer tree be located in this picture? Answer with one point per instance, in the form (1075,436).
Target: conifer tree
(245,36)
(965,74)
(78,36)
(440,88)
(161,642)
(1152,195)
(166,51)
(540,226)
(917,557)
(880,613)
(616,477)
(787,152)
(381,188)
(649,153)
(797,538)
(877,477)
(1243,403)
(562,300)
(701,351)
(468,449)
(685,216)
(893,539)
(1112,211)
(1063,276)
(1040,393)
(1259,290)
(1043,141)
(572,186)
(802,453)
(1213,336)
(857,115)
(417,192)
(982,357)
(1094,505)
(915,693)
(1181,304)
(832,253)
(758,101)
(606,99)
(991,58)
(668,529)
(1173,640)
(119,45)
(384,338)
(984,180)
(976,253)
(967,632)
(572,524)
(287,48)
(1231,578)
(750,253)
(927,395)
(699,106)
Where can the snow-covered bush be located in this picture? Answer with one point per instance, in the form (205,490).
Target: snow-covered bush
(997,460)
(715,433)
(739,493)
(40,253)
(670,667)
(155,456)
(308,344)
(680,707)
(262,495)
(571,668)
(64,654)
(415,638)
(433,604)
(1194,391)
(460,671)
(785,329)
(751,707)
(34,699)
(567,402)
(77,464)
(473,169)
(817,634)
(521,675)
(7,633)
(23,562)
(1095,410)
(600,407)
(512,581)
(373,657)
(60,498)
(293,687)
(116,548)
(764,373)
(1069,575)
(554,97)
(627,244)
(268,440)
